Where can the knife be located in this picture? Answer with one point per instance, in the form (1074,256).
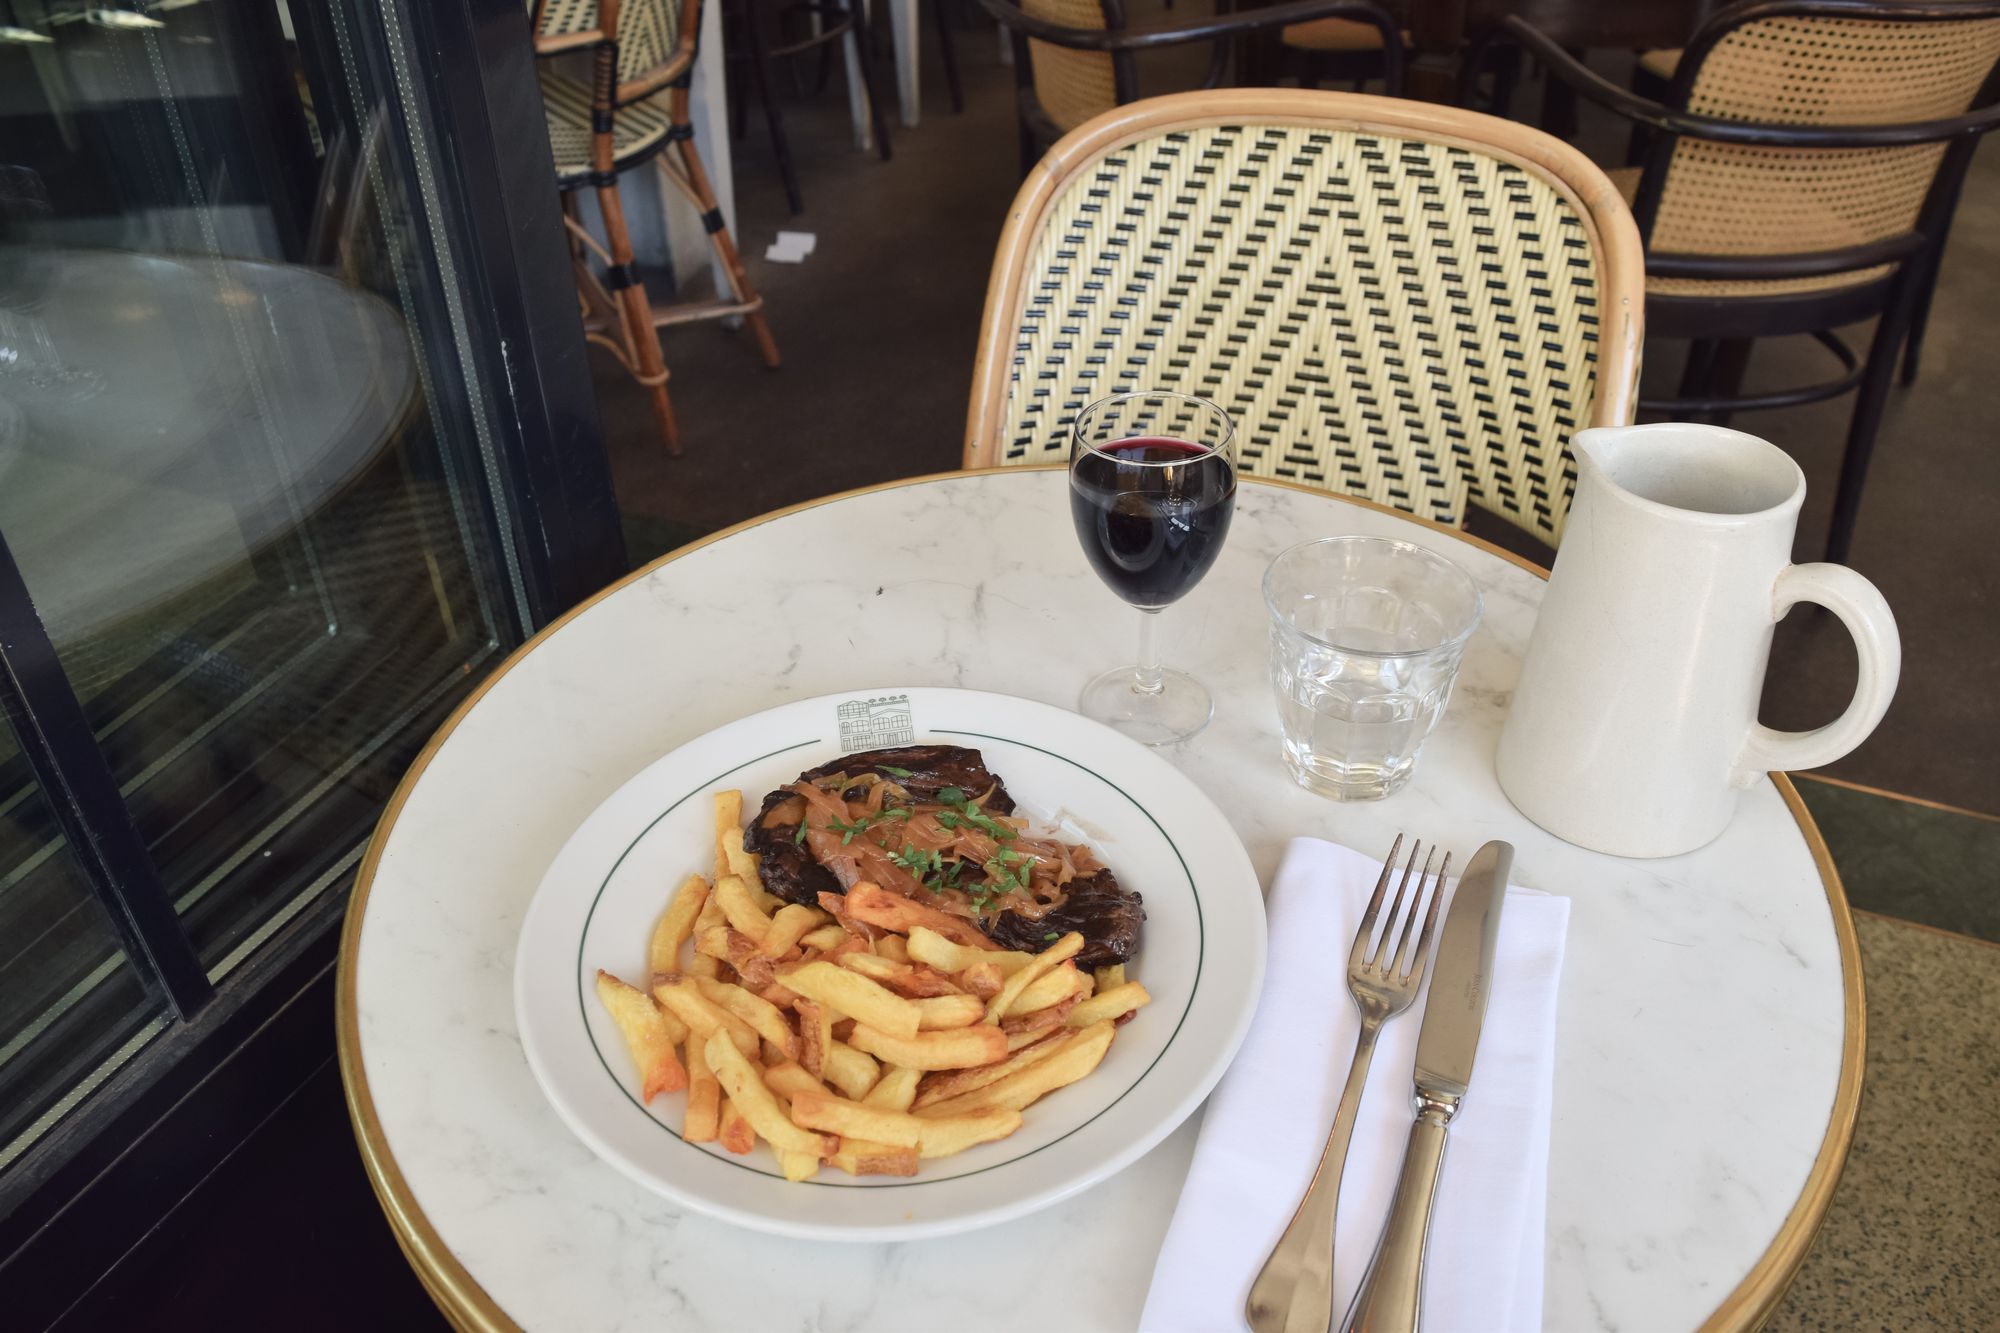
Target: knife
(1391,1296)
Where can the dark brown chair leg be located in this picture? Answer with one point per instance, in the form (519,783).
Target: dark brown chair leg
(1867,420)
(1913,343)
(641,338)
(949,49)
(1699,371)
(774,119)
(1732,362)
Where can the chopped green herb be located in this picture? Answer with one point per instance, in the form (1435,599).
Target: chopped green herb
(1053,935)
(800,836)
(951,796)
(893,771)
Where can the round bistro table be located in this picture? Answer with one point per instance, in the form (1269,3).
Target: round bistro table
(1709,1036)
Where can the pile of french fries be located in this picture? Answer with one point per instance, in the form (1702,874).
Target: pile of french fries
(869,1032)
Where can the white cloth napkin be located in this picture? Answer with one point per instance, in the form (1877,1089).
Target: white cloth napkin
(1268,1120)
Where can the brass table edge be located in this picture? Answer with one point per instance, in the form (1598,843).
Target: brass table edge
(468,1306)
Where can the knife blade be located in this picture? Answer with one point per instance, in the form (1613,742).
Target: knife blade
(1390,1299)
(1461,975)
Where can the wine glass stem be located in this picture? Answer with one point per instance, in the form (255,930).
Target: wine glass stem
(1146,676)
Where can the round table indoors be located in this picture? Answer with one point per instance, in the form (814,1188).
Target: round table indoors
(1709,1033)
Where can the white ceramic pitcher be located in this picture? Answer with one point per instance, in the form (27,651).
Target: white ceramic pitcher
(1635,721)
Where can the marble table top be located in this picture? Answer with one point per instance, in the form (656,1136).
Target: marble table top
(1708,1040)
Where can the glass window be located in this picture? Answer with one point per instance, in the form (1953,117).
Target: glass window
(246,471)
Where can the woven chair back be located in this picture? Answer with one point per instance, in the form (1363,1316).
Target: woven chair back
(1410,303)
(1812,69)
(648,30)
(1073,86)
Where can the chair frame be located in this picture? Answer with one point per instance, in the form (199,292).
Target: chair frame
(1722,328)
(1613,237)
(617,314)
(1119,42)
(838,20)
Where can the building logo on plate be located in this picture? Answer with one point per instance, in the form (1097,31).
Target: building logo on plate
(873,724)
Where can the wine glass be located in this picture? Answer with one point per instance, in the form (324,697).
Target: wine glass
(1152,484)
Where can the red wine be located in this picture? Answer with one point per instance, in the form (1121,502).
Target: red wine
(1151,523)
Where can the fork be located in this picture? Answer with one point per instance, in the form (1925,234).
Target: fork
(1294,1292)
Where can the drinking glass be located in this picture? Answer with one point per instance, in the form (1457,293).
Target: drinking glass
(1366,637)
(1152,483)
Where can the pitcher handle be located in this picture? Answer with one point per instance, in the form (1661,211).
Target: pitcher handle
(1868,618)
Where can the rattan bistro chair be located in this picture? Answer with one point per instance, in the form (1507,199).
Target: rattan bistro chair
(634,108)
(1412,303)
(1073,59)
(1799,178)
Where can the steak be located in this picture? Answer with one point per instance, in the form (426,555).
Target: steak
(788,869)
(1107,916)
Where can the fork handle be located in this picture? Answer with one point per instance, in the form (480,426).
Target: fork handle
(1294,1292)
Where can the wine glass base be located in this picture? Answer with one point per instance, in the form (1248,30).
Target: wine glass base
(1177,710)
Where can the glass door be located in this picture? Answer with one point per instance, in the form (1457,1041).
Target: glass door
(278,481)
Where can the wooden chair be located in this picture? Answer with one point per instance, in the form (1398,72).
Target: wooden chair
(1073,59)
(634,108)
(1799,178)
(1413,303)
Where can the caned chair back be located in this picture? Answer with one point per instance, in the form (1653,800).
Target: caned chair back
(1406,302)
(1816,63)
(1073,86)
(647,32)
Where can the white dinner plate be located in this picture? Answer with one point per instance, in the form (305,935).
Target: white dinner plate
(1201,957)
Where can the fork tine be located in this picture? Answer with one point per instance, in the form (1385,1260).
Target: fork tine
(1385,949)
(1398,958)
(1423,956)
(1362,936)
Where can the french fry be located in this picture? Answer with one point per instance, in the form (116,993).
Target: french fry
(894,948)
(1111,974)
(735,1133)
(815,1035)
(1078,1054)
(797,1166)
(896,1089)
(824,938)
(981,979)
(949,1083)
(930,1136)
(949,1011)
(855,996)
(1052,987)
(1063,949)
(914,981)
(788,927)
(709,918)
(646,1035)
(704,1109)
(892,911)
(837,1115)
(740,906)
(728,820)
(760,1106)
(955,1048)
(1113,1003)
(676,924)
(704,1017)
(850,1070)
(1046,1019)
(942,1137)
(764,1018)
(789,1079)
(928,946)
(859,1157)
(740,952)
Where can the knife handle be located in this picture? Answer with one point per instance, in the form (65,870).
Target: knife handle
(1391,1296)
